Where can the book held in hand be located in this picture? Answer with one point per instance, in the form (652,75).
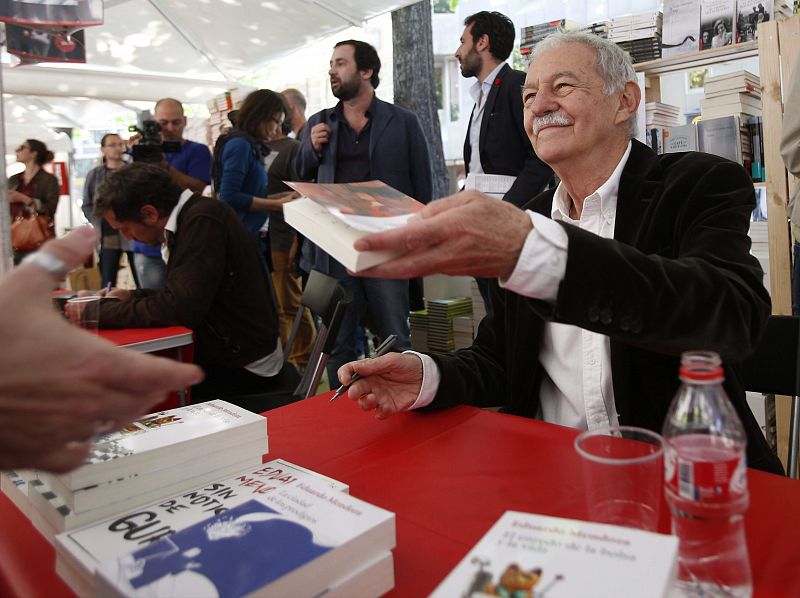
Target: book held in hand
(534,555)
(334,216)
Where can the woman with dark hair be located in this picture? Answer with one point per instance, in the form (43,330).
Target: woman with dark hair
(245,156)
(33,189)
(112,244)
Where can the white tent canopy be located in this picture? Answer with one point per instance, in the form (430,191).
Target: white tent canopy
(189,49)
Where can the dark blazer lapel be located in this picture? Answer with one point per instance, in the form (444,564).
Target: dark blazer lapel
(467,144)
(380,120)
(331,118)
(494,91)
(639,184)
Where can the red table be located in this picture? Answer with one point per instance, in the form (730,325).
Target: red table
(175,342)
(448,475)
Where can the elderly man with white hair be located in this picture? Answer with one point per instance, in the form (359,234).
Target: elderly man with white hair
(603,282)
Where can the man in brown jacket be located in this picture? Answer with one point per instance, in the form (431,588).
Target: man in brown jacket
(215,282)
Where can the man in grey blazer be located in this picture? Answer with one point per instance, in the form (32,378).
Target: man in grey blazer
(360,139)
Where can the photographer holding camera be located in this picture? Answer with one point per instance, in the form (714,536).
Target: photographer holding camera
(160,141)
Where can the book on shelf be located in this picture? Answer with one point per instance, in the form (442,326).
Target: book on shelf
(296,541)
(721,99)
(654,139)
(334,216)
(721,136)
(737,109)
(717,23)
(681,28)
(535,555)
(165,439)
(79,552)
(750,14)
(680,139)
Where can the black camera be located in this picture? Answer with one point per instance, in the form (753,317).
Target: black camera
(150,148)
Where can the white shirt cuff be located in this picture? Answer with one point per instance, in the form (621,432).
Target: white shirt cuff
(542,262)
(430,380)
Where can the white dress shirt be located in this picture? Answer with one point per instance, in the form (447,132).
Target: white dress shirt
(270,364)
(575,392)
(477,117)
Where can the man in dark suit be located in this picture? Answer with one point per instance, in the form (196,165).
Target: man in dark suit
(496,141)
(360,139)
(603,282)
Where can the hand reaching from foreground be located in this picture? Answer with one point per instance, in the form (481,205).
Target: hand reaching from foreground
(59,385)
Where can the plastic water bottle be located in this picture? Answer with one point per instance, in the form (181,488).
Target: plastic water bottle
(705,472)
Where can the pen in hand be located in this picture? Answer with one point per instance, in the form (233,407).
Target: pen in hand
(384,348)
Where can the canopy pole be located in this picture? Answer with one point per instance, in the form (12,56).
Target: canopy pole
(6,251)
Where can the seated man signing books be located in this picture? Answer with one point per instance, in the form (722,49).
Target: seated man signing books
(215,282)
(603,282)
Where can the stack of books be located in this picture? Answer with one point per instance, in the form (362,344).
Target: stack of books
(659,116)
(291,534)
(600,28)
(161,454)
(79,553)
(218,109)
(531,35)
(639,35)
(736,93)
(441,313)
(418,322)
(478,306)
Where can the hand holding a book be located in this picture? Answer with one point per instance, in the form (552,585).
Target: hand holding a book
(59,385)
(465,234)
(388,384)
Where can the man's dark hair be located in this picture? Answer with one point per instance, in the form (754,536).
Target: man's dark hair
(366,58)
(498,27)
(127,190)
(258,107)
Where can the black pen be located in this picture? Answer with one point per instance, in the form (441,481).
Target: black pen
(381,350)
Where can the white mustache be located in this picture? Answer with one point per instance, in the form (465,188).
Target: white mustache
(551,118)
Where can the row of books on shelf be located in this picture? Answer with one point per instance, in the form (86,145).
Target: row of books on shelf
(179,503)
(684,26)
(690,25)
(733,137)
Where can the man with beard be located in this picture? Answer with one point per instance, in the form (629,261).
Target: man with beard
(601,283)
(360,139)
(496,141)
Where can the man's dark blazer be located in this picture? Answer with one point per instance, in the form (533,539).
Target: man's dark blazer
(398,153)
(504,145)
(677,276)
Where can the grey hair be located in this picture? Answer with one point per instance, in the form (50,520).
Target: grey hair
(613,64)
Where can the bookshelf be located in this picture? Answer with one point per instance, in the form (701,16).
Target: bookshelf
(777,49)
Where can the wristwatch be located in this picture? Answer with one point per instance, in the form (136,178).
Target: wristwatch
(49,263)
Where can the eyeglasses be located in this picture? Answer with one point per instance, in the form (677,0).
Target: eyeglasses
(115,144)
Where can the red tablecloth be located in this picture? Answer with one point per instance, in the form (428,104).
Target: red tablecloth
(448,475)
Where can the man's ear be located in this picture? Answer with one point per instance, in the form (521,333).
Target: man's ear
(149,214)
(366,74)
(482,43)
(629,99)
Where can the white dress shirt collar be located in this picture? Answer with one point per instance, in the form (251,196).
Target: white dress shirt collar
(171,227)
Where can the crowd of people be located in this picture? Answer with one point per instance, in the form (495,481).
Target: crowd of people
(594,286)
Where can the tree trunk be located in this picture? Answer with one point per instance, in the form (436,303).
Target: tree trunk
(414,80)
